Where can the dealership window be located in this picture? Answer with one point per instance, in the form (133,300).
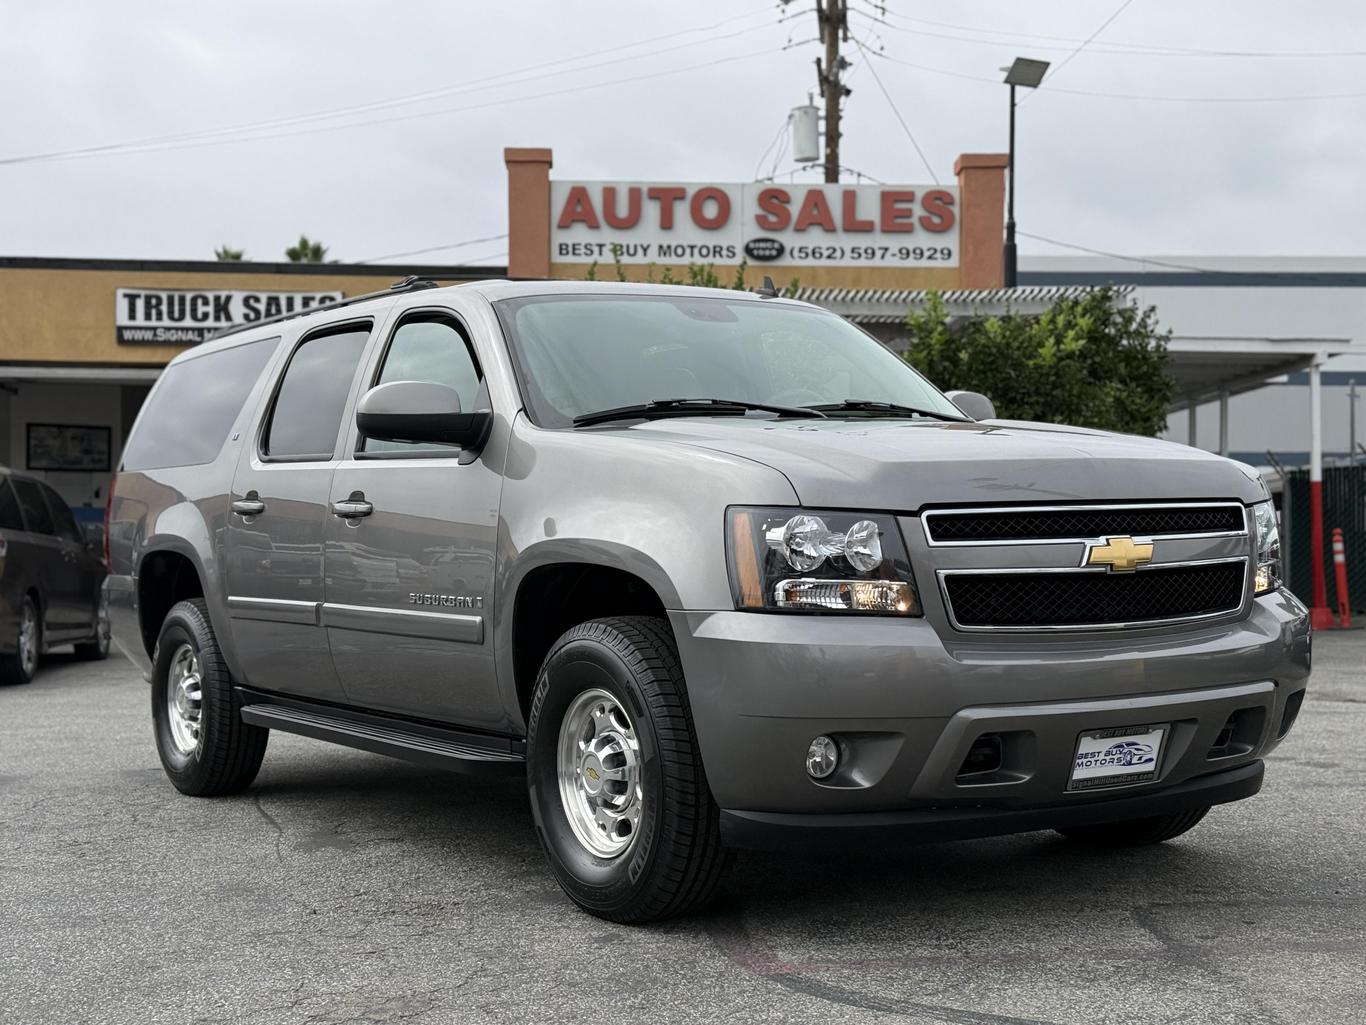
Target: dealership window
(431,348)
(308,407)
(36,513)
(192,408)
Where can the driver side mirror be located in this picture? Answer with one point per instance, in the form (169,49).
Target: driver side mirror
(421,411)
(973,404)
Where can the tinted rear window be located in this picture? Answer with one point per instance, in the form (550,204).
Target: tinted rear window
(36,513)
(9,507)
(188,415)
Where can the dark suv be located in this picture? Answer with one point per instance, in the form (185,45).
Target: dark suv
(50,580)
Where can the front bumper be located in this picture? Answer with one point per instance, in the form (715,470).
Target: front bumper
(907,706)
(761,830)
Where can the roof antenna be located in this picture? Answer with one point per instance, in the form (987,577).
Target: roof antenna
(767,290)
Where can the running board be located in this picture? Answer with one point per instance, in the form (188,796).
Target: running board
(384,735)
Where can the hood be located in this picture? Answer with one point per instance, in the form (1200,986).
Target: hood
(901,465)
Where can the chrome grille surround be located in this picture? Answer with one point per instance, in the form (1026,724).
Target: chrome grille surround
(1067,555)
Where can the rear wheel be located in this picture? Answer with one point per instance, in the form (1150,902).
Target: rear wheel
(618,794)
(1136,832)
(22,666)
(205,747)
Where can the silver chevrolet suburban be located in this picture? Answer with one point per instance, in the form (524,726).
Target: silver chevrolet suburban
(713,569)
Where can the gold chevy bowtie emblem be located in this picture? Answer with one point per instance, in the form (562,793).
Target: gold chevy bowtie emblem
(1121,554)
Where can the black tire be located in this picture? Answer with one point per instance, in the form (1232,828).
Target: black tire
(17,668)
(674,861)
(228,752)
(98,649)
(1136,832)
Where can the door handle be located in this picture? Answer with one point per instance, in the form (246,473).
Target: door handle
(353,508)
(248,507)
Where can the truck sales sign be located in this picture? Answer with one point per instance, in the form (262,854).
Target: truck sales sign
(758,222)
(188,316)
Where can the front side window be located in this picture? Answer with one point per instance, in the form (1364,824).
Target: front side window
(581,354)
(62,518)
(36,513)
(430,348)
(307,411)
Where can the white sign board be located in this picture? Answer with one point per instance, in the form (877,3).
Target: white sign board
(759,222)
(187,316)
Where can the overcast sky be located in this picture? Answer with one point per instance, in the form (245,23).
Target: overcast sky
(1124,175)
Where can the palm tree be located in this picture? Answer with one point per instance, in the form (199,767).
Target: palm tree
(307,251)
(226,254)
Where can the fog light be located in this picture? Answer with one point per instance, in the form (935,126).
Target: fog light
(822,757)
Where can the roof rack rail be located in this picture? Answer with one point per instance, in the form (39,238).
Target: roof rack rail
(412,283)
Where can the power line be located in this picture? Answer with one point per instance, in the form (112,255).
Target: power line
(200,143)
(472,85)
(434,249)
(1094,94)
(1110,46)
(1053,72)
(892,103)
(1119,256)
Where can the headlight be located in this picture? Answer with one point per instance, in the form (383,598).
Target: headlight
(809,561)
(1268,576)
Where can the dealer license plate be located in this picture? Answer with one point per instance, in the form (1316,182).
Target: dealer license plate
(1117,757)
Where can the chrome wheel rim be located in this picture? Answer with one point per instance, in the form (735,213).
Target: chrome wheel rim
(599,772)
(185,700)
(28,639)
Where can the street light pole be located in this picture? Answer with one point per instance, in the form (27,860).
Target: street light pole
(1009,277)
(1028,73)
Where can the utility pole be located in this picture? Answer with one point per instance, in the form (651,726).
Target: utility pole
(833,17)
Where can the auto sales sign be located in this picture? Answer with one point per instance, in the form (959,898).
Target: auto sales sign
(758,222)
(188,316)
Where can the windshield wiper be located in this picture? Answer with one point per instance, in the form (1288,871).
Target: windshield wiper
(661,408)
(891,408)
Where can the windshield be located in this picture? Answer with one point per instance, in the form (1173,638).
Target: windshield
(581,354)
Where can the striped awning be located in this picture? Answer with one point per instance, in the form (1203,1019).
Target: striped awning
(890,305)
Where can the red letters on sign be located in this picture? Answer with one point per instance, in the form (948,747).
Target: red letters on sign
(898,211)
(698,208)
(578,209)
(814,210)
(775,216)
(938,207)
(609,207)
(852,221)
(666,196)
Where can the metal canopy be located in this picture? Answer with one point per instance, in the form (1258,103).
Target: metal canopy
(1205,368)
(1208,368)
(93,374)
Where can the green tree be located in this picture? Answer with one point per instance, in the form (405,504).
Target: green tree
(226,254)
(1091,361)
(306,251)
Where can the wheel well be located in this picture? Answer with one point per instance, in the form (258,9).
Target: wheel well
(553,598)
(164,578)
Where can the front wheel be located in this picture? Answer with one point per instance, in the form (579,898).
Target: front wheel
(205,747)
(618,794)
(97,649)
(1136,832)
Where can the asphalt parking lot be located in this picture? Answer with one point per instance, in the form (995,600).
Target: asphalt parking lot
(346,887)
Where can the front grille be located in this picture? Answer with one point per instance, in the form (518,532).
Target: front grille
(1077,599)
(1081,523)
